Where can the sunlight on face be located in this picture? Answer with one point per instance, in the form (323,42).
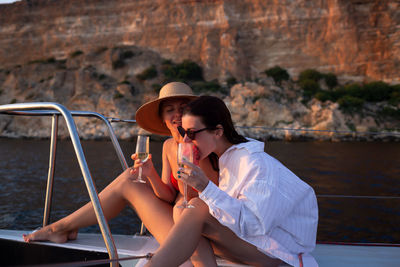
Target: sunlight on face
(171,112)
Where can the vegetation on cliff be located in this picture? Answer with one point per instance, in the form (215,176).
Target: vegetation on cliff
(116,81)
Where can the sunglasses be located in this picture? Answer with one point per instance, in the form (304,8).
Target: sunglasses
(190,133)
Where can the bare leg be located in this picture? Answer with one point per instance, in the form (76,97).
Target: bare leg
(228,245)
(155,213)
(203,256)
(185,237)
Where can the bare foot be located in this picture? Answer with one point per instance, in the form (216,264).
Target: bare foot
(47,234)
(72,235)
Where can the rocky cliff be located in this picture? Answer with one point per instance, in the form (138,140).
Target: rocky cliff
(238,38)
(92,82)
(87,55)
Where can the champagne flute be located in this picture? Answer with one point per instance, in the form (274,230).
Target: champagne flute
(185,153)
(142,151)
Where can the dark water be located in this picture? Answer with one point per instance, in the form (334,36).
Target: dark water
(349,168)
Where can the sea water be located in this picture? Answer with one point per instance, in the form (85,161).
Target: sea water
(346,176)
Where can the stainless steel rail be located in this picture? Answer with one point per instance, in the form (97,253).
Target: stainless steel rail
(52,167)
(54,110)
(74,113)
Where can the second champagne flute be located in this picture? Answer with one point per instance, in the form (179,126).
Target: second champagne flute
(142,151)
(185,153)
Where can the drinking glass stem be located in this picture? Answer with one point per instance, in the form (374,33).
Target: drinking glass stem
(185,194)
(140,173)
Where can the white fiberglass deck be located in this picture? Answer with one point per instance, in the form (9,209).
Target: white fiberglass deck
(327,255)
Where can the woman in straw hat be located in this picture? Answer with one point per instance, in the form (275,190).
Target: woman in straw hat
(153,201)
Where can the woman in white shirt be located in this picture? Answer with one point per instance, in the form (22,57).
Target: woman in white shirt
(261,213)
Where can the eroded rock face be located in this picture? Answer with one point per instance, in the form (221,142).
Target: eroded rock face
(259,110)
(267,111)
(86,55)
(88,82)
(240,38)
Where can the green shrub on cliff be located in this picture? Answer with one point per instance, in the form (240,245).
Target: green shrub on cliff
(310,74)
(353,89)
(119,62)
(351,97)
(314,75)
(204,86)
(323,96)
(390,112)
(50,60)
(101,49)
(395,95)
(309,82)
(376,91)
(330,80)
(310,88)
(147,74)
(350,103)
(191,73)
(125,82)
(127,54)
(231,81)
(370,92)
(278,74)
(118,95)
(185,71)
(76,53)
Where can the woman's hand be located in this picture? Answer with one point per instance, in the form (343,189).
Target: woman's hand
(147,166)
(193,176)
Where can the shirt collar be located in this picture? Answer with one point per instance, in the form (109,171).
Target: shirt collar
(251,146)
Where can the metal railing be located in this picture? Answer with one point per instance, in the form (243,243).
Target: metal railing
(55,110)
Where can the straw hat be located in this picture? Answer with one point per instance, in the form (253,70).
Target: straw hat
(147,116)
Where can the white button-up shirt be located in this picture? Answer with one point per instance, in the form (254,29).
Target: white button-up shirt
(264,203)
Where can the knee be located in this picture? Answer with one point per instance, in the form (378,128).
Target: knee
(200,205)
(124,182)
(124,178)
(201,211)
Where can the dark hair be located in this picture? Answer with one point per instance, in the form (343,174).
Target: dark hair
(213,111)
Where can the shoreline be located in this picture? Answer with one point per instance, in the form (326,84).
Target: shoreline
(285,135)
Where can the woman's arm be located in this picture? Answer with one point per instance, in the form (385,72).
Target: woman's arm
(162,187)
(250,204)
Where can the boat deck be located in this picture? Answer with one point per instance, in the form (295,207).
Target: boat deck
(327,255)
(92,246)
